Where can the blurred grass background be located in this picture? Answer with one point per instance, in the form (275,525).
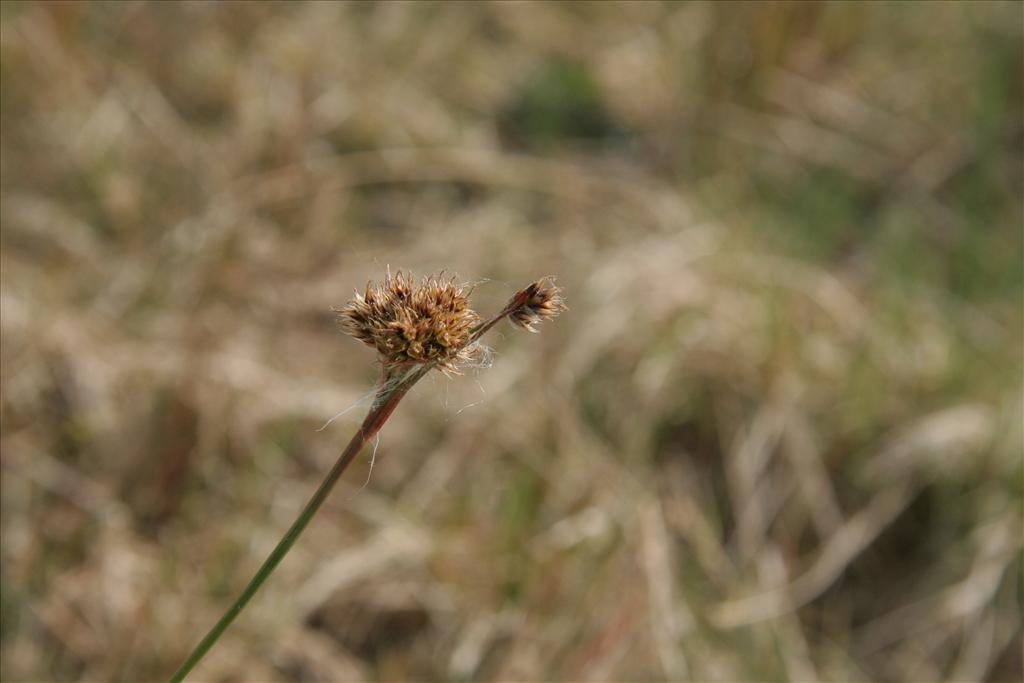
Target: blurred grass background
(777,437)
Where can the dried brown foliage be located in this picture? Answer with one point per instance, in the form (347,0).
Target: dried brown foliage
(778,438)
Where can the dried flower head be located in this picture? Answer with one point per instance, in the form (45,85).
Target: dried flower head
(408,323)
(539,302)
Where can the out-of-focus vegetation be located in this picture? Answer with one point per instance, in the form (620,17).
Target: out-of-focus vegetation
(778,436)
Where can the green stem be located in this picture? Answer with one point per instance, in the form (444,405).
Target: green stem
(391,392)
(385,404)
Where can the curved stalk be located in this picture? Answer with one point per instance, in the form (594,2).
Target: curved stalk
(384,405)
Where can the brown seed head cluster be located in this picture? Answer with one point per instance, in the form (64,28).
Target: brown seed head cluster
(539,302)
(410,323)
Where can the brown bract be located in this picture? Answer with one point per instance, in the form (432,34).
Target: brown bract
(408,323)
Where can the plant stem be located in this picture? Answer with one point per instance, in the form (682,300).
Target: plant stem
(391,391)
(384,405)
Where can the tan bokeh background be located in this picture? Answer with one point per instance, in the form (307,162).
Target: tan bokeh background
(776,437)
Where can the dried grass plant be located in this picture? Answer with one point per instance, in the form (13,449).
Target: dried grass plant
(415,329)
(778,439)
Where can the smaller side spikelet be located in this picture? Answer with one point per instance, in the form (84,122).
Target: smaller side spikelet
(541,301)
